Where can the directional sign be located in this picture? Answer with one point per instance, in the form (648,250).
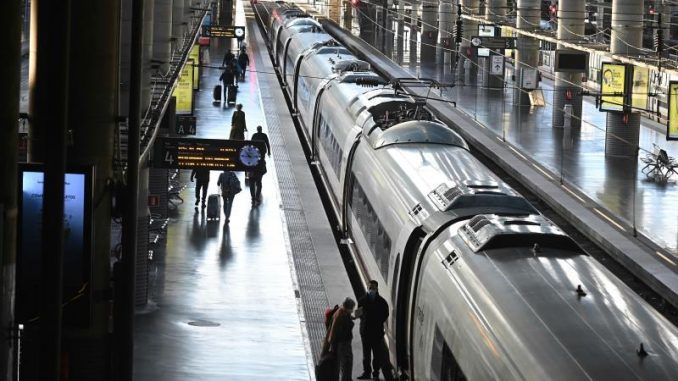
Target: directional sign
(493,42)
(225,31)
(185,125)
(232,155)
(497,65)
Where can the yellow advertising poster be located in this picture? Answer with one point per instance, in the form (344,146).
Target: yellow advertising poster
(672,131)
(612,87)
(195,56)
(641,86)
(184,90)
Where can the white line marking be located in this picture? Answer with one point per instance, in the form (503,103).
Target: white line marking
(609,219)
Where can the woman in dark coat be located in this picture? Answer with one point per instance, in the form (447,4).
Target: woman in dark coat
(238,124)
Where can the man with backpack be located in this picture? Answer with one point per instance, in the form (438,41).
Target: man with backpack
(230,186)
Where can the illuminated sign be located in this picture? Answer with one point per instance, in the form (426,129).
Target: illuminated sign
(672,126)
(612,87)
(77,244)
(493,42)
(487,30)
(184,90)
(195,56)
(232,155)
(640,87)
(186,125)
(225,31)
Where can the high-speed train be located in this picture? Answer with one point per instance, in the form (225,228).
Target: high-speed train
(481,285)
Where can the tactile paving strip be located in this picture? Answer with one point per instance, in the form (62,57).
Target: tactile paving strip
(313,295)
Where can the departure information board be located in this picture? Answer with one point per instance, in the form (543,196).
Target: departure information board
(213,154)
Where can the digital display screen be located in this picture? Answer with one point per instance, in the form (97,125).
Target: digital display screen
(571,61)
(213,154)
(76,259)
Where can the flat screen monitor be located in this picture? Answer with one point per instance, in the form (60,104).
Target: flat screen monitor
(572,61)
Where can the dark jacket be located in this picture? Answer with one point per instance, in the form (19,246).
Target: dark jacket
(260,136)
(229,183)
(228,58)
(201,175)
(375,313)
(238,125)
(243,60)
(341,329)
(227,77)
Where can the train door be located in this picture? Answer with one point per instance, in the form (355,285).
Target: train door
(403,297)
(444,366)
(285,61)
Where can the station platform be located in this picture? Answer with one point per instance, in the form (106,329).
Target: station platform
(245,300)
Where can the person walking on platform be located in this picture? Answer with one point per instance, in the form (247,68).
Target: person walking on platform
(230,186)
(228,58)
(228,78)
(202,177)
(339,339)
(256,176)
(238,124)
(243,62)
(373,312)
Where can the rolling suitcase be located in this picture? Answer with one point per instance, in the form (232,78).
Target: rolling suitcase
(217,93)
(232,91)
(214,207)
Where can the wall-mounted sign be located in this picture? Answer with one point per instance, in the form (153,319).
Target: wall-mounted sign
(195,56)
(640,88)
(488,30)
(497,65)
(493,42)
(233,155)
(529,78)
(225,31)
(186,125)
(612,87)
(672,126)
(77,244)
(572,61)
(184,90)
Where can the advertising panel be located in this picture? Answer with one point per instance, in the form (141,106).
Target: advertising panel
(184,90)
(195,56)
(77,241)
(612,87)
(672,128)
(529,78)
(640,87)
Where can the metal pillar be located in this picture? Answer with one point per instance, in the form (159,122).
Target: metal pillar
(429,33)
(92,111)
(49,73)
(143,219)
(571,16)
(10,70)
(162,33)
(495,13)
(446,41)
(348,15)
(400,32)
(124,322)
(178,27)
(414,33)
(367,14)
(527,52)
(622,132)
(468,59)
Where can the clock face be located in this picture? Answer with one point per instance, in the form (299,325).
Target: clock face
(250,155)
(239,32)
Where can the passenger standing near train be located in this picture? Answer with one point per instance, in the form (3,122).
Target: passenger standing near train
(202,178)
(373,312)
(230,186)
(339,339)
(238,124)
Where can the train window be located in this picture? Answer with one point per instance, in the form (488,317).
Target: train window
(449,369)
(330,145)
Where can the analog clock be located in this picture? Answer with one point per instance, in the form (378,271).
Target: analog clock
(250,155)
(240,32)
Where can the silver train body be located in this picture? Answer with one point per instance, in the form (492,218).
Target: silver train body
(481,285)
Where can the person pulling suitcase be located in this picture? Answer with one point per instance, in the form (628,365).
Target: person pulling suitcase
(230,186)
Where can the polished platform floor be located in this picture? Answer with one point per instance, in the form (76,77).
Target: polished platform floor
(244,301)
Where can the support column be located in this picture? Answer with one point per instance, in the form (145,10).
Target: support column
(571,16)
(147,69)
(468,63)
(527,52)
(495,13)
(414,34)
(621,137)
(400,32)
(178,27)
(429,33)
(143,219)
(162,33)
(367,14)
(445,43)
(10,71)
(348,15)
(93,110)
